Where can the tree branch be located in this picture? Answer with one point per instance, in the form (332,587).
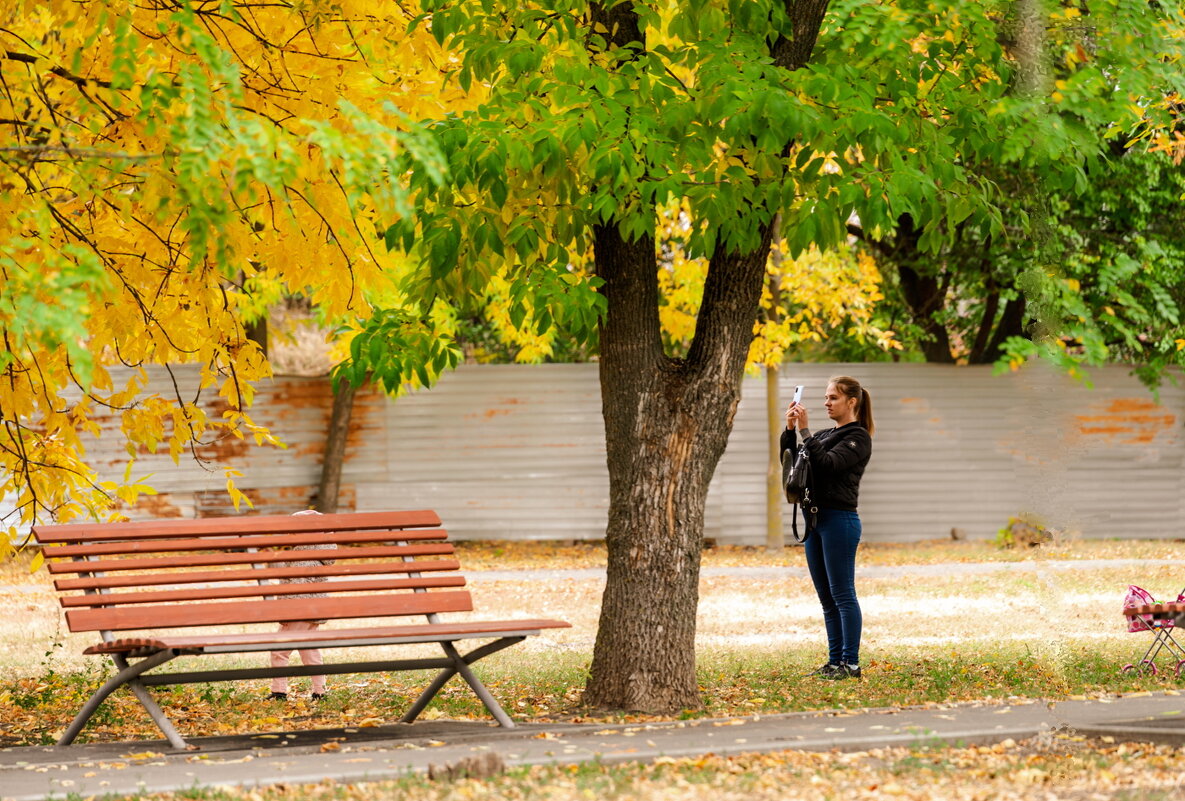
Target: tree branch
(61,72)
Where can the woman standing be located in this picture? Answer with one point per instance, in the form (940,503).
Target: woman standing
(838,458)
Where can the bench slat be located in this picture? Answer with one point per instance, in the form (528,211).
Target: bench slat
(207,576)
(236,542)
(257,591)
(244,524)
(257,557)
(292,638)
(1164,608)
(262,611)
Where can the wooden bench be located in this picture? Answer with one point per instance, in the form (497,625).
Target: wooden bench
(224,582)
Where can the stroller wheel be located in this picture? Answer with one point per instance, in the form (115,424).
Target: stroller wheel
(1180,668)
(1129,668)
(1149,665)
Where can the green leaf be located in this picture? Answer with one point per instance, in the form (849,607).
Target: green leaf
(444,250)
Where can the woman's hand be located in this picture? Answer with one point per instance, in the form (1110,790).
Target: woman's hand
(800,415)
(795,416)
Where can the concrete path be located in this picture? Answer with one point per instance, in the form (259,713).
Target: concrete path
(384,752)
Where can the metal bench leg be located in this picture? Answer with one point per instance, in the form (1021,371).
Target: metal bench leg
(157,714)
(428,694)
(128,674)
(479,688)
(461,665)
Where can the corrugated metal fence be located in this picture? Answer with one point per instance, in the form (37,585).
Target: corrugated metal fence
(516,452)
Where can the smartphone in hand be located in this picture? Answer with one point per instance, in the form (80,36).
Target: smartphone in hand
(798,394)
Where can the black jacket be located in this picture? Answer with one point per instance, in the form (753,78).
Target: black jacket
(838,458)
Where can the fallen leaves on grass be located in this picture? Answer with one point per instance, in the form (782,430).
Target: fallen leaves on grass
(1048,766)
(915,656)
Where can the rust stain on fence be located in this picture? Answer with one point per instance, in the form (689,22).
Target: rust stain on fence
(1130,421)
(268,501)
(922,408)
(154,507)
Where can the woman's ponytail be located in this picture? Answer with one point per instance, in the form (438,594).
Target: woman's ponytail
(864,415)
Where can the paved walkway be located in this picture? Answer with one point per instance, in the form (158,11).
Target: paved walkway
(384,752)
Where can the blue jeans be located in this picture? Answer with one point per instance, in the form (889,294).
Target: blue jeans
(831,558)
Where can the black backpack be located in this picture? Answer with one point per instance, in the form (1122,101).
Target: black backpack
(796,482)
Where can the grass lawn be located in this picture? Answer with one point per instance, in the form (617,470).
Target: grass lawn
(1047,626)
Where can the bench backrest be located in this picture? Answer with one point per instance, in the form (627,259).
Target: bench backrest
(235,570)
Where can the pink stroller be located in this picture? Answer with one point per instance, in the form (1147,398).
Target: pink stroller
(1144,613)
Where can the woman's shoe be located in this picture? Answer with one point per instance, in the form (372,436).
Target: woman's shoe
(828,671)
(844,671)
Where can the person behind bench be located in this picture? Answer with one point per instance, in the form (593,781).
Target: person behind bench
(308,656)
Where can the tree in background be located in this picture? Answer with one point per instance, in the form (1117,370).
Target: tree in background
(1086,267)
(170,170)
(1118,295)
(599,116)
(807,303)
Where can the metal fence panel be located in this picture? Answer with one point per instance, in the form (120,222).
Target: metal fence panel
(517,452)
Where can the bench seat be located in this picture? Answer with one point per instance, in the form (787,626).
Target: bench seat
(322,638)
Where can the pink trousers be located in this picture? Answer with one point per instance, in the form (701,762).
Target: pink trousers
(308,656)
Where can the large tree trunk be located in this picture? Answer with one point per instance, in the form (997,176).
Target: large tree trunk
(666,425)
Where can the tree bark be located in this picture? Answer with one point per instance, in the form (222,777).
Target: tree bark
(922,291)
(1032,74)
(257,333)
(1012,324)
(329,486)
(775,539)
(925,297)
(987,320)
